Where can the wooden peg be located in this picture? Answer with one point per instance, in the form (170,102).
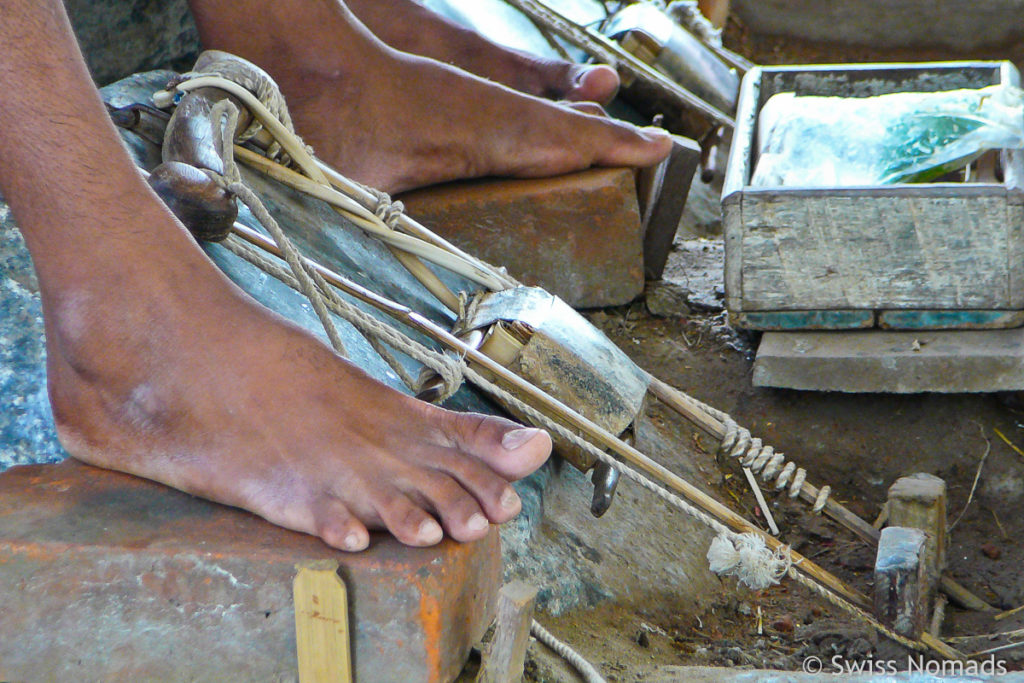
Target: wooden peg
(504,657)
(321,624)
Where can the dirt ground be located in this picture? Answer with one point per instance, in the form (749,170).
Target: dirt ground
(858,444)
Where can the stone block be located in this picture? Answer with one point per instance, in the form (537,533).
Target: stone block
(104,576)
(899,581)
(897,362)
(919,502)
(120,37)
(578,236)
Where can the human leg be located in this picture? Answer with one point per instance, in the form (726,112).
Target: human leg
(224,400)
(397,121)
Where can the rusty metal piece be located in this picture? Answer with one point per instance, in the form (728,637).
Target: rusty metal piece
(577,235)
(106,576)
(709,155)
(662,191)
(605,479)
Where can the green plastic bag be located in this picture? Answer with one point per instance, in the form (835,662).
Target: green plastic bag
(896,138)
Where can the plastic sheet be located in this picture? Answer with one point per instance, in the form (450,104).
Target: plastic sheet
(895,138)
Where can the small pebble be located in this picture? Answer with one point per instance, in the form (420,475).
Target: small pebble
(992,551)
(785,624)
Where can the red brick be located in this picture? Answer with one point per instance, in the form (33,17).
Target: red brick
(104,576)
(577,236)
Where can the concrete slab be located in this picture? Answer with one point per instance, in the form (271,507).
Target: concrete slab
(892,362)
(817,670)
(104,576)
(579,235)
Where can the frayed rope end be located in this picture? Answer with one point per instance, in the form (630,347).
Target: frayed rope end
(746,557)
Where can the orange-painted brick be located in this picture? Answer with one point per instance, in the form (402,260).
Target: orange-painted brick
(104,576)
(577,235)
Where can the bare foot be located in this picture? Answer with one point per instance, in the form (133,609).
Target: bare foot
(396,121)
(159,366)
(410,27)
(228,402)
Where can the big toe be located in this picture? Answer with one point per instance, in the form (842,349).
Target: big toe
(626,145)
(593,83)
(511,450)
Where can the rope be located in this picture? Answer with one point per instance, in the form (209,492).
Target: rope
(376,332)
(254,256)
(760,458)
(754,566)
(586,669)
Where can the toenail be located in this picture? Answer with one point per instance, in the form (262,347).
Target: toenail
(430,532)
(653,133)
(516,438)
(353,542)
(477,522)
(510,500)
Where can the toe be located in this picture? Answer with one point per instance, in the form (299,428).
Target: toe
(586,107)
(593,83)
(338,528)
(509,449)
(491,491)
(627,145)
(406,521)
(460,514)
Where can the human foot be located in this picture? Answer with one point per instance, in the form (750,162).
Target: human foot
(396,121)
(408,26)
(159,366)
(227,402)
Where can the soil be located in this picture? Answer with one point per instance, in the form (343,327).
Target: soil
(858,444)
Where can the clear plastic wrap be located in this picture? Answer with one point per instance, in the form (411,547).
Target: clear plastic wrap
(896,138)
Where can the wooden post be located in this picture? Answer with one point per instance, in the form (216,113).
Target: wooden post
(919,502)
(321,624)
(504,657)
(899,581)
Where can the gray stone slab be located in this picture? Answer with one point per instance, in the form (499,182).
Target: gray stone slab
(970,672)
(892,362)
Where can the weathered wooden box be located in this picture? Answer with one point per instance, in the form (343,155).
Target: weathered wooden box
(910,256)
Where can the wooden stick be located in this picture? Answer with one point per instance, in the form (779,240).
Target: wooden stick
(321,624)
(1008,613)
(436,251)
(552,406)
(503,659)
(756,488)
